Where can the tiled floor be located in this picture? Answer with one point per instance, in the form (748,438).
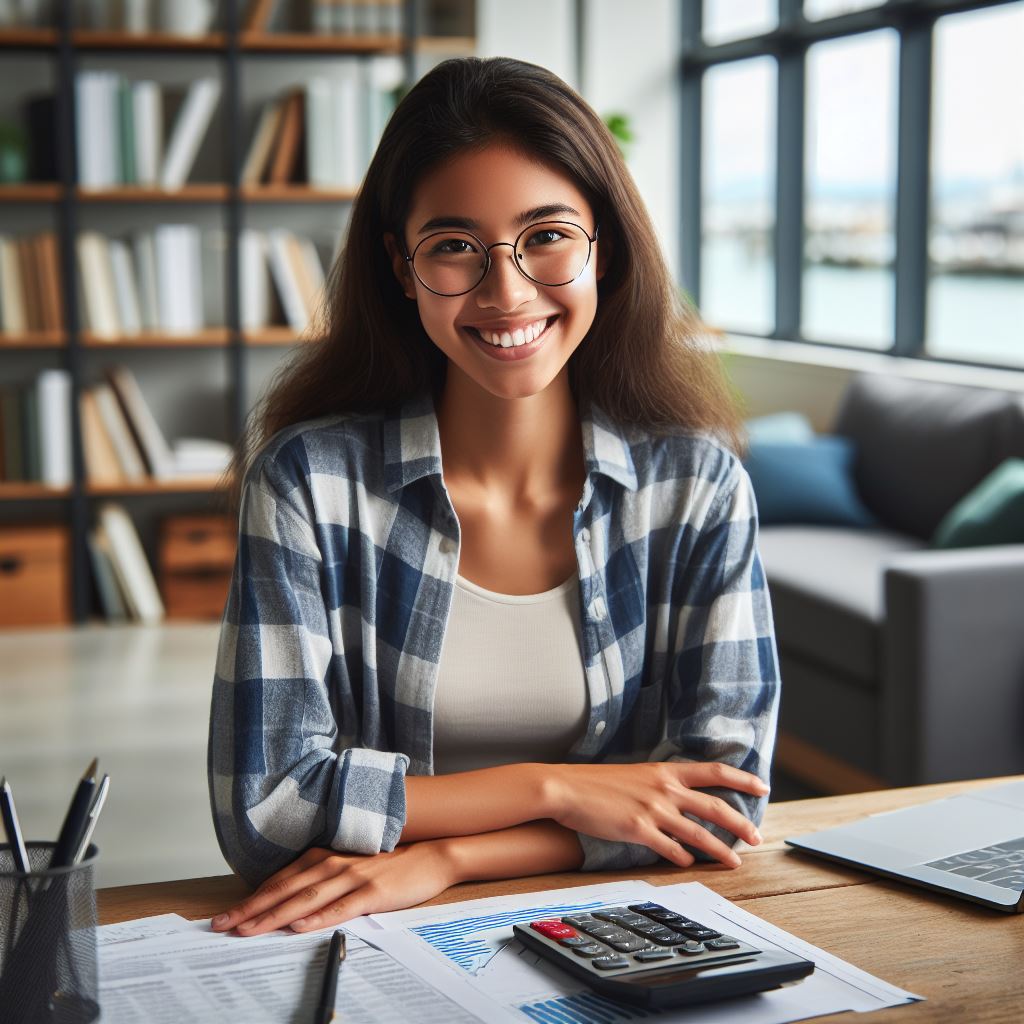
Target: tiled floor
(138,698)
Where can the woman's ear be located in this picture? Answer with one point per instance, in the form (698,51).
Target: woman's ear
(400,265)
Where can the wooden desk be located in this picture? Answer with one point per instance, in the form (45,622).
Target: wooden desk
(966,960)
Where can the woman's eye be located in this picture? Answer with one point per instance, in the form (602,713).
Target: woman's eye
(452,247)
(545,237)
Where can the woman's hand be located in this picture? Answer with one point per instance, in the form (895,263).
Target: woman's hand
(645,803)
(322,887)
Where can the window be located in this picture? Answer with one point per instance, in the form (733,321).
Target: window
(976,230)
(858,176)
(738,196)
(850,190)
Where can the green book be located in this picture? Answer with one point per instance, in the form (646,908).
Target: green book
(127,119)
(11,413)
(31,462)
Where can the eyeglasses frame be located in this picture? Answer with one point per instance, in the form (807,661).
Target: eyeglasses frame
(409,258)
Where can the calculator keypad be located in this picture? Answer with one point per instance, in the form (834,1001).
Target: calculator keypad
(642,936)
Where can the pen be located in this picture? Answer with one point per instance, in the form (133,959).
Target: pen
(75,820)
(13,829)
(325,1009)
(94,813)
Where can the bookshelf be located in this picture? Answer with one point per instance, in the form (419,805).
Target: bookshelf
(240,57)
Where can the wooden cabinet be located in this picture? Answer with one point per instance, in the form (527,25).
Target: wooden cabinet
(197,553)
(34,585)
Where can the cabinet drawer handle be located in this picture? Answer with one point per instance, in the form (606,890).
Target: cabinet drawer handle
(10,565)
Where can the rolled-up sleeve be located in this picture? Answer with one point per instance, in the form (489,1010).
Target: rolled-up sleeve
(723,685)
(281,778)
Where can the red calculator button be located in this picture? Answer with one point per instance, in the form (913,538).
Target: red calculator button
(554,929)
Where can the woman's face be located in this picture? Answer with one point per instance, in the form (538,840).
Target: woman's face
(494,193)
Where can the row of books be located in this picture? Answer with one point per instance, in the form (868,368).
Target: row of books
(176,17)
(30,292)
(122,441)
(153,281)
(124,579)
(327,17)
(280,273)
(28,13)
(119,129)
(35,430)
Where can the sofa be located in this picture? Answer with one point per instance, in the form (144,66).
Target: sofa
(901,663)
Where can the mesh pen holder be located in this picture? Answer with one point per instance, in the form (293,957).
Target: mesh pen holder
(47,940)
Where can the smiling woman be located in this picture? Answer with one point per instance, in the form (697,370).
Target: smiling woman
(498,607)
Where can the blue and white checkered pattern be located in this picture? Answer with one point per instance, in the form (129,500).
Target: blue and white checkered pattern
(332,635)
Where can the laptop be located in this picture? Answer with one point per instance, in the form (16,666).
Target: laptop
(971,845)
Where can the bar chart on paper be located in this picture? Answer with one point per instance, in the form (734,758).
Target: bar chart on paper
(582,1008)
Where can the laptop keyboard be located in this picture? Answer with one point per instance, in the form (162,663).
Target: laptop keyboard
(1001,864)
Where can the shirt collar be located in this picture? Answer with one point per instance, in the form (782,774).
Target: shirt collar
(412,444)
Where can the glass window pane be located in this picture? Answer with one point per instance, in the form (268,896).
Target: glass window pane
(725,20)
(816,10)
(850,185)
(738,196)
(976,237)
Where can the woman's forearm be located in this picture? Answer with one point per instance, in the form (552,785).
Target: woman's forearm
(536,848)
(467,803)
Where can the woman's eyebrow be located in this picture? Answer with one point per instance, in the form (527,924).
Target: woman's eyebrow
(519,221)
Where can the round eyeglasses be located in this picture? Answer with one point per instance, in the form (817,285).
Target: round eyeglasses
(551,253)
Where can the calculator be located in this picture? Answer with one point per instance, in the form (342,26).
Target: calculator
(647,955)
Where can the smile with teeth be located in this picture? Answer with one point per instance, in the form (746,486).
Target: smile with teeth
(520,336)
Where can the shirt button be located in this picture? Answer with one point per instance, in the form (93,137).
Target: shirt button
(585,536)
(597,608)
(599,728)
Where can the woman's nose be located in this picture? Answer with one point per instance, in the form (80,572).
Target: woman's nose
(504,287)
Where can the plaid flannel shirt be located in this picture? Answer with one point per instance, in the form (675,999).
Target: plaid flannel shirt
(332,635)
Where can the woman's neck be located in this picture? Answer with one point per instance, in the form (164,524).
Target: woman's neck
(521,451)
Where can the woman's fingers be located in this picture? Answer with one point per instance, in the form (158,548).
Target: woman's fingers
(665,846)
(311,899)
(714,773)
(687,831)
(716,810)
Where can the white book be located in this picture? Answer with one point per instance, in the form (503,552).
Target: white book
(111,596)
(189,128)
(120,434)
(145,428)
(288,288)
(148,113)
(126,292)
(53,403)
(314,271)
(347,136)
(88,104)
(11,293)
(179,281)
(109,128)
(145,274)
(130,564)
(321,168)
(98,290)
(253,283)
(192,279)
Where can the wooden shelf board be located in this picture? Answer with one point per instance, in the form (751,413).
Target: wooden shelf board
(33,339)
(12,490)
(453,45)
(201,192)
(278,334)
(30,192)
(184,485)
(15,37)
(295,194)
(211,336)
(307,42)
(92,39)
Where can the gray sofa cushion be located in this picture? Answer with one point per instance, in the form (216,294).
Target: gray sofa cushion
(826,591)
(922,446)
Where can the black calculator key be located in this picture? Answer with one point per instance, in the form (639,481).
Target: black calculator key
(578,921)
(592,949)
(610,963)
(575,940)
(700,934)
(646,955)
(725,942)
(661,935)
(630,945)
(612,914)
(646,908)
(691,948)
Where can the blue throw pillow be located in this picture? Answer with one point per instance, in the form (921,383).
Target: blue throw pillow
(808,482)
(788,427)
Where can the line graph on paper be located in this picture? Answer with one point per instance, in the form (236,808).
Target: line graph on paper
(471,942)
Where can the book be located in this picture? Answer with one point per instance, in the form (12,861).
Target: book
(128,455)
(98,290)
(179,282)
(29,409)
(189,128)
(49,255)
(346,133)
(285,161)
(30,284)
(12,297)
(125,291)
(41,119)
(101,462)
(321,164)
(145,430)
(257,16)
(126,131)
(255,167)
(254,285)
(145,274)
(288,288)
(103,574)
(130,564)
(148,121)
(53,409)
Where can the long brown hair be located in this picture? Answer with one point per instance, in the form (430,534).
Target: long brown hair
(644,361)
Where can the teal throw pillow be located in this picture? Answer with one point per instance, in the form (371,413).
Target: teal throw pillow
(992,513)
(807,482)
(788,427)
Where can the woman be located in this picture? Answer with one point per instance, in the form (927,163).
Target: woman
(497,608)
